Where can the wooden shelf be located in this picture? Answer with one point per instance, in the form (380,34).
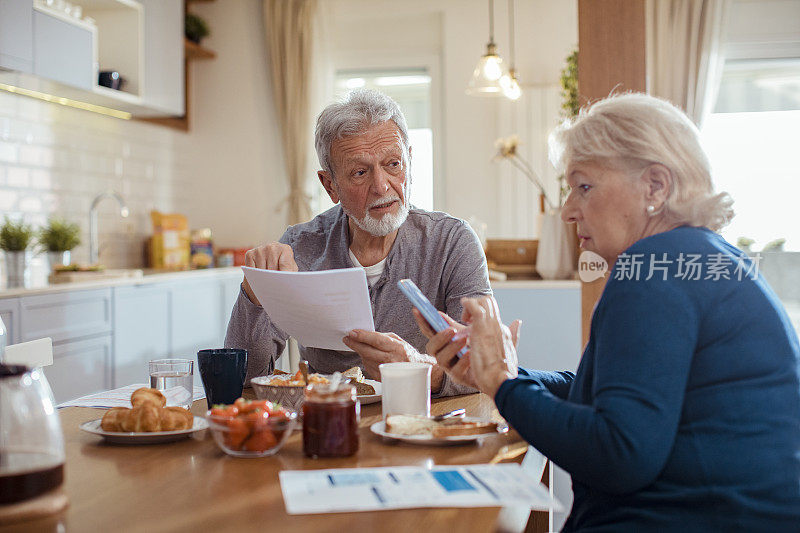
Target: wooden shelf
(195,51)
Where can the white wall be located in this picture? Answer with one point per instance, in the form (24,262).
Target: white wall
(455,32)
(227,173)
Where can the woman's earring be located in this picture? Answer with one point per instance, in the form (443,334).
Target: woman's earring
(651,209)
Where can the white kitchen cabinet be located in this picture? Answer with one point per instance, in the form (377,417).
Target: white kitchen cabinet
(63,50)
(9,312)
(550,338)
(163,57)
(231,286)
(66,316)
(141,330)
(196,319)
(80,367)
(16,35)
(44,50)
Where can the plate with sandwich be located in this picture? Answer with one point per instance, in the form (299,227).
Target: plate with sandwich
(424,430)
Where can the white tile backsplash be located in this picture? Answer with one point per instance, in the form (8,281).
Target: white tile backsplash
(54,160)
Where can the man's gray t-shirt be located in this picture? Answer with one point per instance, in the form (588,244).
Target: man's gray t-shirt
(440,253)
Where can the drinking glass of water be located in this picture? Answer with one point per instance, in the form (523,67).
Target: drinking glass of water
(175,379)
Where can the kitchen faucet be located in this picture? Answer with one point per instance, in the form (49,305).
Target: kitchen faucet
(94,249)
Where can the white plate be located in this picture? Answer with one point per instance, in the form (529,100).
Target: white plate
(379,428)
(371,398)
(154,437)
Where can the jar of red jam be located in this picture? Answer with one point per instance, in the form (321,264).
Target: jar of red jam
(330,420)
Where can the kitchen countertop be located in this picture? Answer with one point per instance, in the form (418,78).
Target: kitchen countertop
(40,285)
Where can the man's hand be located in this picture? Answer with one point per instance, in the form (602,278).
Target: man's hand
(444,346)
(377,348)
(271,256)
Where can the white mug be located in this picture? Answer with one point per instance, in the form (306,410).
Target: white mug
(406,388)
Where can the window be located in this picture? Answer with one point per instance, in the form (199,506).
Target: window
(752,138)
(411,89)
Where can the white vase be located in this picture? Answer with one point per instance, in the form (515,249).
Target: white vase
(555,256)
(58,259)
(16,267)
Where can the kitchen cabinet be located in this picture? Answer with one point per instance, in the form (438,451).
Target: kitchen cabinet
(66,316)
(196,318)
(104,337)
(163,56)
(550,338)
(44,50)
(80,367)
(64,50)
(231,286)
(16,35)
(141,331)
(9,312)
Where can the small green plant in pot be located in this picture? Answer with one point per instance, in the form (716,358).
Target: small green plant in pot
(15,237)
(195,28)
(59,237)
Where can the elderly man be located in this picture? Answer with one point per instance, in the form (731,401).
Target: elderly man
(362,145)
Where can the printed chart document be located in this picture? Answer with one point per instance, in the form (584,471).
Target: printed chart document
(316,308)
(404,487)
(121,397)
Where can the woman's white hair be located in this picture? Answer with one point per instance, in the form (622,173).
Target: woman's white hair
(637,130)
(356,112)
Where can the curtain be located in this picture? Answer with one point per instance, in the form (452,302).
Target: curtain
(684,52)
(289,27)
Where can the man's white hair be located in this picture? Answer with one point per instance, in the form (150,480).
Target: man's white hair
(359,110)
(636,130)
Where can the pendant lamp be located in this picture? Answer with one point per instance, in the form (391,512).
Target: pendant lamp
(490,68)
(508,82)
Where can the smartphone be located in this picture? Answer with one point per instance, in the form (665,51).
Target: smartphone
(429,312)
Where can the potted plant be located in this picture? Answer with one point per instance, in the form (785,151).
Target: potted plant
(14,240)
(59,237)
(195,28)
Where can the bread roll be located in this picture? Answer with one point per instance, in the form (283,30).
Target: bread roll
(112,420)
(175,418)
(142,418)
(147,395)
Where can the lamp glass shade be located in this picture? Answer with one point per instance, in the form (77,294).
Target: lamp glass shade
(510,86)
(487,75)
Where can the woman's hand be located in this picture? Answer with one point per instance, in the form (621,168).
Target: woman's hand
(492,345)
(442,346)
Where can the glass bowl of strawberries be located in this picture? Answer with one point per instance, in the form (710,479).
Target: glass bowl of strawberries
(256,428)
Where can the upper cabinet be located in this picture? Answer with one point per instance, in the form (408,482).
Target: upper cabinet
(163,52)
(46,50)
(16,35)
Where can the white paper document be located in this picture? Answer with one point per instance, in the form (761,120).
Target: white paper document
(121,397)
(316,308)
(405,487)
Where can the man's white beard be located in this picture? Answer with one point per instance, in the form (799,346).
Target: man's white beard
(380,227)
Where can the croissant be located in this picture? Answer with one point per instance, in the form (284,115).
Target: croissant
(142,418)
(112,420)
(147,395)
(175,418)
(148,415)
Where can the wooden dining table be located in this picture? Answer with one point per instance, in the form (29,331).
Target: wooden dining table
(191,485)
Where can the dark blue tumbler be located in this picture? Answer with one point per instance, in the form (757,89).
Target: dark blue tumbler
(223,371)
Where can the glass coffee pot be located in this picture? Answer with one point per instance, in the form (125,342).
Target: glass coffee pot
(31,440)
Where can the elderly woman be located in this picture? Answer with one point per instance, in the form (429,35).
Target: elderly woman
(685,410)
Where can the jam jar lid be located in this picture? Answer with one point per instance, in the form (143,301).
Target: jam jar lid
(327,392)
